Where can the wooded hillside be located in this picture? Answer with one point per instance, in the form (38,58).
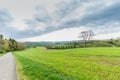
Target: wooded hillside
(7,45)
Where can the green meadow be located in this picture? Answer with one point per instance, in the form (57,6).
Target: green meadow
(70,64)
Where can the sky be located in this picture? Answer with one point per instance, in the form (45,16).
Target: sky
(59,20)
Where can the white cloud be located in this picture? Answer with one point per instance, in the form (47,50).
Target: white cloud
(19,25)
(22,9)
(108,36)
(60,35)
(69,35)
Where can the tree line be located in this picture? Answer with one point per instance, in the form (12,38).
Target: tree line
(91,43)
(7,45)
(76,44)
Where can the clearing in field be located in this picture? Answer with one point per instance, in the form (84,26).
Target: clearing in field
(70,64)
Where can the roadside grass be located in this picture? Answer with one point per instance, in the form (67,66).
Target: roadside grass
(20,72)
(70,64)
(1,54)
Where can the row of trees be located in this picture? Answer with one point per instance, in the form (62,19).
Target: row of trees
(7,45)
(91,43)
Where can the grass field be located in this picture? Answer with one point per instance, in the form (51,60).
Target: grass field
(70,64)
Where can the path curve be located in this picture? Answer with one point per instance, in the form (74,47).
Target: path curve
(8,67)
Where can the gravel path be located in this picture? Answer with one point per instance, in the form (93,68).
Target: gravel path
(7,67)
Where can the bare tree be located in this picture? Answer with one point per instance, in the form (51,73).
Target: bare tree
(86,35)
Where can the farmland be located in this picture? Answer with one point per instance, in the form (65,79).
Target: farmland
(70,64)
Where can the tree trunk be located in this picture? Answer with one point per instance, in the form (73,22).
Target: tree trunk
(85,43)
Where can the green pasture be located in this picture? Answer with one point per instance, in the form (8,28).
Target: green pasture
(70,64)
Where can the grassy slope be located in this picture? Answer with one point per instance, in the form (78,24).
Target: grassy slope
(71,64)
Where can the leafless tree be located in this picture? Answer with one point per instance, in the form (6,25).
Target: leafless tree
(86,35)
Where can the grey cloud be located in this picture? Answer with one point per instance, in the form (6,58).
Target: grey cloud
(66,7)
(63,9)
(5,22)
(107,15)
(110,14)
(41,15)
(94,17)
(5,17)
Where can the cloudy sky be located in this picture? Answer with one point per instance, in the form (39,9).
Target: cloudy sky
(59,20)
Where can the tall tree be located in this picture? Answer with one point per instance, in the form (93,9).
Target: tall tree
(86,35)
(12,44)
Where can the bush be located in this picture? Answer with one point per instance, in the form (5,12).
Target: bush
(1,51)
